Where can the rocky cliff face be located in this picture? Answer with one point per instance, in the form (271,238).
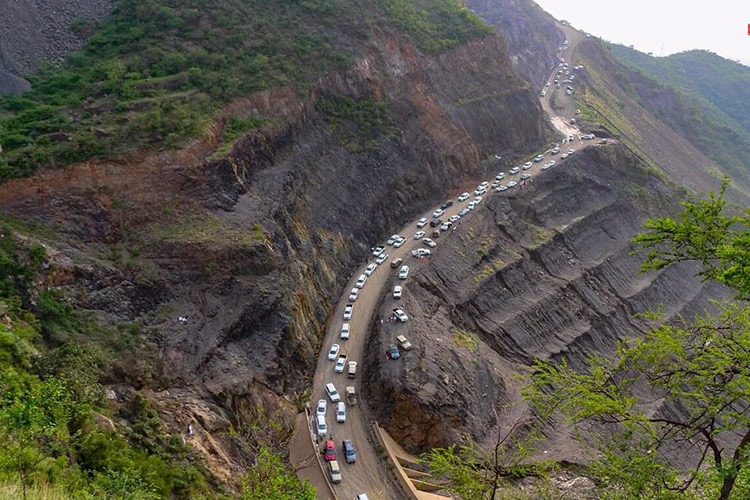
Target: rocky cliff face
(533,37)
(230,261)
(542,272)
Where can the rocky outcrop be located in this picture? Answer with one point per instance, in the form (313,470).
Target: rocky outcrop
(35,31)
(532,35)
(542,272)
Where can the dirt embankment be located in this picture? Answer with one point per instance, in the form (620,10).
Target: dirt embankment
(250,246)
(542,272)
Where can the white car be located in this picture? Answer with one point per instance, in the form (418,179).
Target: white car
(555,151)
(341,413)
(333,394)
(538,158)
(571,151)
(525,176)
(321,409)
(353,294)
(500,189)
(381,258)
(429,242)
(420,252)
(348,311)
(334,352)
(361,281)
(419,235)
(512,184)
(370,269)
(340,364)
(471,205)
(345,331)
(463,197)
(437,213)
(393,238)
(378,250)
(477,200)
(399,242)
(403,272)
(478,192)
(463,212)
(422,222)
(484,184)
(396,292)
(552,162)
(514,170)
(500,176)
(563,156)
(321,426)
(401,315)
(546,166)
(526,166)
(454,218)
(446,226)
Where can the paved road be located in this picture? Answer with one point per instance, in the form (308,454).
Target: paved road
(370,475)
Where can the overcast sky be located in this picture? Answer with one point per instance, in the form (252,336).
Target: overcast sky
(663,26)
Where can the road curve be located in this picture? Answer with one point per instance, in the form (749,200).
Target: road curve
(370,473)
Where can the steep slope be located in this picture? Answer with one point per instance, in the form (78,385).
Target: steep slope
(544,271)
(532,34)
(227,253)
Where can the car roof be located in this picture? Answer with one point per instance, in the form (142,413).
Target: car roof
(330,386)
(401,337)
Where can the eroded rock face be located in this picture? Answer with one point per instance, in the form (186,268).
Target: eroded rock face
(539,272)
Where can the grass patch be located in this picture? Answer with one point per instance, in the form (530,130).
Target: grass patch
(488,270)
(465,339)
(360,123)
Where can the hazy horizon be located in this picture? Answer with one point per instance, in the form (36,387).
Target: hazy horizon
(663,27)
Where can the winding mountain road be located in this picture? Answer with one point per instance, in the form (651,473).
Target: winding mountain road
(370,473)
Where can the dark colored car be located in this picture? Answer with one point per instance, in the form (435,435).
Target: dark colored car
(446,204)
(396,262)
(393,352)
(436,222)
(349,451)
(329,451)
(436,233)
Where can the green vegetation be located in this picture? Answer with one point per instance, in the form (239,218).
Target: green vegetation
(435,25)
(699,369)
(360,123)
(156,71)
(465,339)
(59,435)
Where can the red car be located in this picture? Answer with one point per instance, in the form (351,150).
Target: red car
(329,451)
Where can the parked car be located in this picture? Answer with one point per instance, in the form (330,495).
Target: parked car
(361,281)
(484,184)
(463,197)
(320,425)
(349,452)
(429,242)
(341,412)
(555,151)
(571,151)
(378,250)
(348,309)
(546,166)
(393,238)
(329,450)
(352,371)
(370,269)
(500,176)
(345,331)
(552,163)
(512,184)
(422,222)
(525,176)
(500,189)
(436,233)
(335,471)
(538,158)
(403,273)
(393,352)
(526,166)
(381,258)
(514,170)
(340,364)
(401,315)
(353,294)
(403,342)
(446,226)
(437,213)
(333,394)
(321,408)
(419,235)
(396,262)
(397,292)
(471,205)
(446,204)
(463,212)
(454,218)
(421,252)
(333,352)
(479,191)
(477,200)
(399,242)
(435,222)
(563,156)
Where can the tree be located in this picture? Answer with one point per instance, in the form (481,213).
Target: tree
(683,386)
(268,479)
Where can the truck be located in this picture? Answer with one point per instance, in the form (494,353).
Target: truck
(351,395)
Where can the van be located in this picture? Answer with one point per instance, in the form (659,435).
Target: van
(321,427)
